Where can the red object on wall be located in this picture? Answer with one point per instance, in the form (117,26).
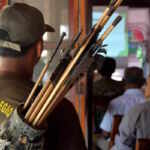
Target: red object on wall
(138,35)
(3,3)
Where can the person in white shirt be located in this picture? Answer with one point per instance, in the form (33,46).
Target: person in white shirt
(134,80)
(135,125)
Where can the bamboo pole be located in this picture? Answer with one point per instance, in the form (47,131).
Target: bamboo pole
(35,86)
(51,107)
(32,92)
(65,88)
(109,30)
(108,12)
(58,86)
(40,104)
(37,99)
(62,92)
(27,102)
(99,26)
(42,96)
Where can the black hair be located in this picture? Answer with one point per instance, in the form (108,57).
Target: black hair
(107,68)
(134,75)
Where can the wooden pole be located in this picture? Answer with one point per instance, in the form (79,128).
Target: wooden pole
(51,106)
(109,29)
(36,110)
(35,86)
(37,99)
(102,21)
(43,72)
(62,92)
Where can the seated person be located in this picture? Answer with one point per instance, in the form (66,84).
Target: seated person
(134,80)
(135,125)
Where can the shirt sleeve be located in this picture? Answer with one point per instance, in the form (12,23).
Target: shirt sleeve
(106,123)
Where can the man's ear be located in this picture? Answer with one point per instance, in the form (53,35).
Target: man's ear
(39,48)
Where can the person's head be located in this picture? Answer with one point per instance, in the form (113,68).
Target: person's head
(134,77)
(107,68)
(21,30)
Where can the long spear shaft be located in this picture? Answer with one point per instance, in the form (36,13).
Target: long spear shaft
(97,28)
(64,89)
(74,42)
(46,90)
(65,61)
(43,72)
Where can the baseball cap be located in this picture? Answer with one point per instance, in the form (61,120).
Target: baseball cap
(21,25)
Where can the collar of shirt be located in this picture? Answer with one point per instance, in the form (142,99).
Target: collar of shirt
(134,91)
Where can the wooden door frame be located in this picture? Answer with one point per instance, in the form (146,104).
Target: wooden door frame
(81,18)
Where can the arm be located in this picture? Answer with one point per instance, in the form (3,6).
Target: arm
(106,124)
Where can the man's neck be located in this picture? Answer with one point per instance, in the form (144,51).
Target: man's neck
(131,86)
(15,68)
(15,75)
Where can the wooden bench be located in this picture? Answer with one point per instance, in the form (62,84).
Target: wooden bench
(142,144)
(115,128)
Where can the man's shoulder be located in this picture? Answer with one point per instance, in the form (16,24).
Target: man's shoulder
(136,114)
(108,82)
(107,89)
(117,105)
(14,88)
(142,107)
(117,100)
(138,110)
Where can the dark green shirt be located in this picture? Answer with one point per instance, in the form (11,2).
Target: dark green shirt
(13,92)
(105,89)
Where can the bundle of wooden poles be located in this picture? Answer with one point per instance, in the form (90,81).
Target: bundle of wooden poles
(67,72)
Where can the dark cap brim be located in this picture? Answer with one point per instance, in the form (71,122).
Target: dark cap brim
(48,28)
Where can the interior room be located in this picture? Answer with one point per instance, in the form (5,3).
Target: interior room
(127,42)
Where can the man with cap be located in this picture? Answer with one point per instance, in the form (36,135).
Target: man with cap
(134,80)
(21,31)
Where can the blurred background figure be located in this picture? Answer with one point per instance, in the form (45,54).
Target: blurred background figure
(134,81)
(105,88)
